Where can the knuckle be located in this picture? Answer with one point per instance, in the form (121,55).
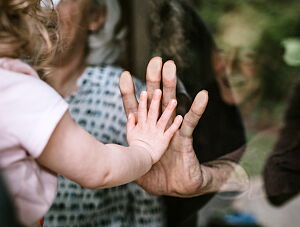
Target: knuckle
(194,114)
(184,135)
(169,82)
(131,109)
(126,91)
(165,104)
(189,121)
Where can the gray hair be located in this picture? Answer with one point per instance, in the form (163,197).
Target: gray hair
(106,44)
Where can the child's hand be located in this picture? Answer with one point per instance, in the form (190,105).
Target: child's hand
(150,132)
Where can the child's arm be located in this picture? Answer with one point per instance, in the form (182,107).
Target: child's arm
(75,154)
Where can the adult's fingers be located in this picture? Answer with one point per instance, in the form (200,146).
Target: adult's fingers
(169,83)
(153,76)
(128,94)
(192,118)
(130,123)
(154,107)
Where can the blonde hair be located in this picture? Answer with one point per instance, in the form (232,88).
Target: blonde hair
(28,31)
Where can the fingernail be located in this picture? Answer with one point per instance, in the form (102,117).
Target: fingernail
(204,95)
(157,91)
(158,62)
(179,117)
(171,61)
(126,73)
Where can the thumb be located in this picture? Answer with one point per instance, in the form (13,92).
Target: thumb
(192,118)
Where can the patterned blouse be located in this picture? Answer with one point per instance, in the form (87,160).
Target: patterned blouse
(97,106)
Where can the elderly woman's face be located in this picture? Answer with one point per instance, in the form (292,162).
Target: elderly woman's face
(237,40)
(72,25)
(76,21)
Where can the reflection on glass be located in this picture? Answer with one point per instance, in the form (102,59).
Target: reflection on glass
(239,34)
(258,63)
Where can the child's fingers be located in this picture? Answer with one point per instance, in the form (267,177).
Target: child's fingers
(142,109)
(130,122)
(166,115)
(154,106)
(174,127)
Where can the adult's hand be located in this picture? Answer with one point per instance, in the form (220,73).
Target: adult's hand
(178,173)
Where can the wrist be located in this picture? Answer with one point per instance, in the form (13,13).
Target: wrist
(207,179)
(223,175)
(143,153)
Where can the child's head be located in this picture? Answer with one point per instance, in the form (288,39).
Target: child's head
(28,30)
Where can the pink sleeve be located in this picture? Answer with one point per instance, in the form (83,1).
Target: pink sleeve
(29,110)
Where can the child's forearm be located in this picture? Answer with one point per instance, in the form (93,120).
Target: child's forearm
(113,165)
(123,165)
(76,155)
